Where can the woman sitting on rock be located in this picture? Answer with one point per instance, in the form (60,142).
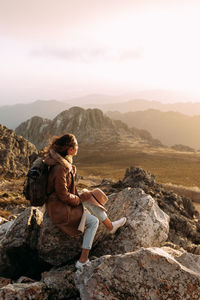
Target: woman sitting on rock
(64,205)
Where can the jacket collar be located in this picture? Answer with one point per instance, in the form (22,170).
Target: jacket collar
(58,158)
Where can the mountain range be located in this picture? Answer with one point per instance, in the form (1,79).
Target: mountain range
(13,115)
(93,129)
(187,108)
(169,127)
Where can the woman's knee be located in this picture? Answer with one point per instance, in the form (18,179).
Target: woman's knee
(94,221)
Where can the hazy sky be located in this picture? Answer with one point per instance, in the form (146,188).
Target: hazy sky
(56,49)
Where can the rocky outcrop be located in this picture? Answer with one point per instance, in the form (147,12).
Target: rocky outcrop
(146,226)
(146,136)
(149,273)
(54,284)
(125,265)
(60,283)
(36,290)
(18,248)
(5,227)
(33,239)
(15,153)
(90,126)
(35,129)
(54,246)
(184,219)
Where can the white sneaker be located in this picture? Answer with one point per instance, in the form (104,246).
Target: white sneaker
(117,224)
(80,265)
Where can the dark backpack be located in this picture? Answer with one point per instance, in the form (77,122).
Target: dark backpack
(35,186)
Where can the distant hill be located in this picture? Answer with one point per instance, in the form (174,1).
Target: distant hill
(91,127)
(169,127)
(187,108)
(126,103)
(12,115)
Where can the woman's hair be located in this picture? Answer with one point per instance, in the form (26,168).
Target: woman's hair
(61,144)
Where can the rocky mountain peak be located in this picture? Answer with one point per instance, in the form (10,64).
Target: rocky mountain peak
(15,153)
(91,118)
(90,126)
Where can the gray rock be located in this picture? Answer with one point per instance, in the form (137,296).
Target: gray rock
(24,291)
(33,239)
(34,130)
(24,230)
(18,248)
(5,227)
(3,220)
(189,260)
(60,283)
(184,219)
(54,246)
(149,273)
(147,225)
(24,279)
(15,153)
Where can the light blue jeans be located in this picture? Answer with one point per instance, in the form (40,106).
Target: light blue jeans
(92,223)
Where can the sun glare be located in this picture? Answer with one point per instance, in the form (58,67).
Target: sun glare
(149,47)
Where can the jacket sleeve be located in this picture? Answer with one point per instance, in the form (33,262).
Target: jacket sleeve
(75,177)
(62,190)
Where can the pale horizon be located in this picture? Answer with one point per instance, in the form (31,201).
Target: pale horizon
(70,49)
(162,96)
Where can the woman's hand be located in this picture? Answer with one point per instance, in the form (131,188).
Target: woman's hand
(84,196)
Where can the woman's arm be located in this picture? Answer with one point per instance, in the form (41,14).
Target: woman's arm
(61,187)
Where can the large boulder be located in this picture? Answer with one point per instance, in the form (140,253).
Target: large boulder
(60,283)
(147,225)
(54,246)
(184,219)
(18,247)
(33,242)
(150,273)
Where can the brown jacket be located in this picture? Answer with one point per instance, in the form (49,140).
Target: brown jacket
(63,205)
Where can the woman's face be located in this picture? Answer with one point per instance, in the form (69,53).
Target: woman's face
(73,150)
